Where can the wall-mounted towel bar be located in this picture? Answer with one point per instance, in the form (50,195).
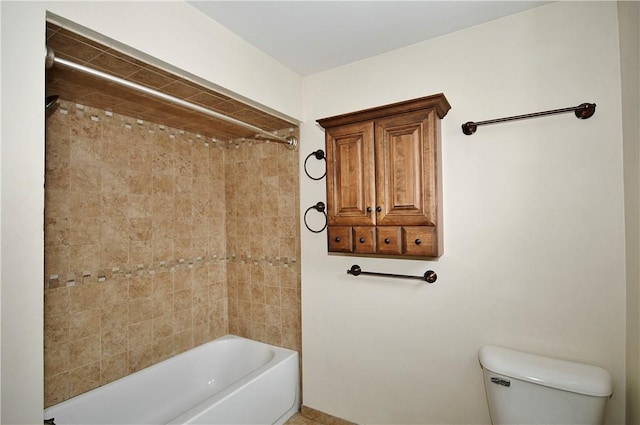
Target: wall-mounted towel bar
(319,154)
(583,111)
(320,207)
(429,276)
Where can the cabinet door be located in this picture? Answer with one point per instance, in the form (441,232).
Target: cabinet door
(350,175)
(406,173)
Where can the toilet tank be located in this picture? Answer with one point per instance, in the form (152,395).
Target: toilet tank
(524,388)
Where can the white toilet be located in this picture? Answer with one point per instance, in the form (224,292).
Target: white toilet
(525,388)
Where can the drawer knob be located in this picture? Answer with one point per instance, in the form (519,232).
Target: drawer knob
(379,208)
(361,240)
(387,241)
(418,241)
(369,209)
(337,239)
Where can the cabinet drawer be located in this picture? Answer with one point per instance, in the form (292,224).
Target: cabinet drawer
(420,240)
(340,239)
(364,239)
(389,239)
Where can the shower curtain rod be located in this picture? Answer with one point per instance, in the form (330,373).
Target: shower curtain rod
(290,142)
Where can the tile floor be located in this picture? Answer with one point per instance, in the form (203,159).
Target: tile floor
(298,419)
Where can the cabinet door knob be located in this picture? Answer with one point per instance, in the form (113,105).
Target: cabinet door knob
(361,240)
(337,239)
(369,209)
(387,241)
(418,241)
(379,208)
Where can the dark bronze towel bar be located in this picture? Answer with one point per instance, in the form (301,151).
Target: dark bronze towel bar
(319,154)
(583,111)
(429,276)
(320,207)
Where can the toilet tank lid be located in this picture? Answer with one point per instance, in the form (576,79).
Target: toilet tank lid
(555,373)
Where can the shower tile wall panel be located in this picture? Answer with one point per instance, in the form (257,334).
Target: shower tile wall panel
(137,221)
(262,225)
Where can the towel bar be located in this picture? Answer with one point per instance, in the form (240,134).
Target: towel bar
(429,276)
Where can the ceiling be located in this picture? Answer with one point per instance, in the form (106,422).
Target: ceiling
(313,36)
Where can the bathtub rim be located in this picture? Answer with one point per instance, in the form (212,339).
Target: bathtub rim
(281,354)
(278,359)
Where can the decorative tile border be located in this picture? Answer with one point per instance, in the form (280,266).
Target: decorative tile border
(103,275)
(95,115)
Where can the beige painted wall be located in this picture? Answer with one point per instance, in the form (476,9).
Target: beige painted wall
(629,18)
(534,254)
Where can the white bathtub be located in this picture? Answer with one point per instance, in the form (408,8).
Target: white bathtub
(230,380)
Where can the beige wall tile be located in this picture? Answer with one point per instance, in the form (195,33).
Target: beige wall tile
(56,302)
(57,175)
(140,286)
(114,367)
(56,203)
(273,315)
(182,279)
(140,309)
(258,313)
(162,327)
(114,292)
(140,333)
(84,297)
(139,205)
(140,252)
(182,320)
(183,341)
(114,253)
(85,257)
(202,333)
(84,150)
(84,323)
(163,348)
(56,330)
(85,203)
(56,388)
(140,357)
(114,204)
(56,359)
(114,342)
(114,318)
(182,300)
(84,351)
(56,259)
(274,335)
(85,230)
(162,304)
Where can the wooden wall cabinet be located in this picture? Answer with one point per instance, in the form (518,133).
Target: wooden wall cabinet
(384,179)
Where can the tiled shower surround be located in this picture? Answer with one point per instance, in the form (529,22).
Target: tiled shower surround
(157,241)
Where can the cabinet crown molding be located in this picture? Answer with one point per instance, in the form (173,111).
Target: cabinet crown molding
(437,101)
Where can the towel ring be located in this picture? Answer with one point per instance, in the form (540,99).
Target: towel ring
(320,207)
(319,154)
